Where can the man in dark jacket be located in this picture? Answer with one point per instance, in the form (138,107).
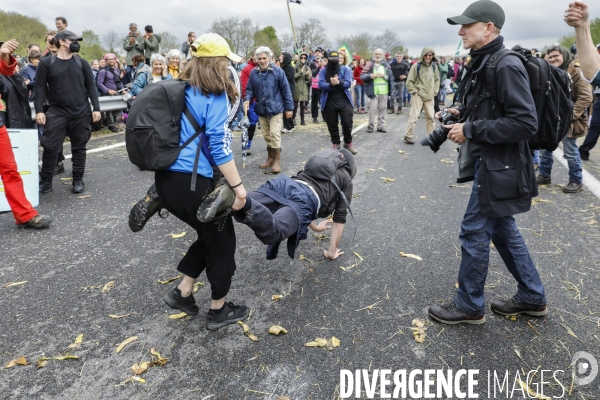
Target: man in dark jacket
(400,68)
(495,134)
(109,83)
(285,208)
(269,86)
(285,60)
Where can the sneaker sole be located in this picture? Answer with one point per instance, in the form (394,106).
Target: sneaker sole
(532,313)
(211,206)
(469,321)
(189,311)
(214,326)
(141,213)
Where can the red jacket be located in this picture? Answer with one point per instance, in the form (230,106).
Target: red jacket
(8,69)
(356,74)
(246,75)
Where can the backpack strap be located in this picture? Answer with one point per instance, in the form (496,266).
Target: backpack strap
(198,132)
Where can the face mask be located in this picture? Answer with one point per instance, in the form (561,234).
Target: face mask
(74,47)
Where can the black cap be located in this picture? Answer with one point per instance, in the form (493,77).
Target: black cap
(149,29)
(64,34)
(333,56)
(480,11)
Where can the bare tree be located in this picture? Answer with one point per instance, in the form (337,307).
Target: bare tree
(389,42)
(312,34)
(239,33)
(287,42)
(168,41)
(362,44)
(112,41)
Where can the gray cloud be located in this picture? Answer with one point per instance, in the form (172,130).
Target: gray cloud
(533,23)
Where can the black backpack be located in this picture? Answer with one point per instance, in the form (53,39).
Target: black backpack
(154,125)
(551,91)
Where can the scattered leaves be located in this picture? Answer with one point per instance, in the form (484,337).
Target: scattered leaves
(106,288)
(387,179)
(403,254)
(159,359)
(126,342)
(247,332)
(178,315)
(401,152)
(276,330)
(381,169)
(538,200)
(41,362)
(423,197)
(17,361)
(511,317)
(419,330)
(370,170)
(592,222)
(335,341)
(302,258)
(447,161)
(177,235)
(328,344)
(76,343)
(133,379)
(68,179)
(358,255)
(168,280)
(459,186)
(66,357)
(119,316)
(276,297)
(197,286)
(84,196)
(139,369)
(13,284)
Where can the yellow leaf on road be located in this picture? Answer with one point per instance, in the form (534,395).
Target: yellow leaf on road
(177,235)
(276,330)
(276,297)
(247,332)
(197,286)
(169,279)
(358,255)
(178,316)
(370,170)
(139,369)
(77,343)
(84,196)
(423,197)
(13,284)
(126,342)
(401,152)
(403,254)
(159,359)
(41,362)
(17,361)
(66,357)
(119,316)
(592,222)
(106,288)
(387,179)
(335,341)
(447,161)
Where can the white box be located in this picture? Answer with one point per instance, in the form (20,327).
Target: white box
(25,146)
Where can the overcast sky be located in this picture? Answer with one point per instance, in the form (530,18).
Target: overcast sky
(418,23)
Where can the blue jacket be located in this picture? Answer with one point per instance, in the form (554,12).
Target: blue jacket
(298,197)
(345,77)
(213,113)
(29,73)
(143,80)
(271,90)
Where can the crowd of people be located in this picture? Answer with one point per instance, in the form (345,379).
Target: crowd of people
(204,189)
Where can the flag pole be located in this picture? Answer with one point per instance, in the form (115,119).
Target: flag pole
(292,22)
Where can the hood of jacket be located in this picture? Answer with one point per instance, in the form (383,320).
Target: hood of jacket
(425,51)
(287,59)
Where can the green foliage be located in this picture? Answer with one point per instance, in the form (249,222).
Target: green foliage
(25,29)
(89,37)
(267,37)
(569,40)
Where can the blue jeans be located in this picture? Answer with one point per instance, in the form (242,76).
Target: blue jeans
(536,157)
(129,71)
(359,90)
(573,160)
(442,94)
(476,232)
(407,96)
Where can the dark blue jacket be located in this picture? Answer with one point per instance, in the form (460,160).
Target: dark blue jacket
(29,73)
(345,78)
(290,193)
(271,90)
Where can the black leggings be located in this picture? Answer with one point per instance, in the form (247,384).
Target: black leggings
(314,103)
(302,109)
(213,250)
(346,115)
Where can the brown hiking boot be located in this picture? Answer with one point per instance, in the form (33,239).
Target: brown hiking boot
(269,162)
(276,162)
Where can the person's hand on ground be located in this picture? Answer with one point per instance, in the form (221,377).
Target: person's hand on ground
(321,226)
(334,255)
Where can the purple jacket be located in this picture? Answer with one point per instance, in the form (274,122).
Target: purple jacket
(106,80)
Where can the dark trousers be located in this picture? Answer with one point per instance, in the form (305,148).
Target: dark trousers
(331,118)
(314,103)
(213,250)
(302,109)
(271,221)
(593,133)
(57,127)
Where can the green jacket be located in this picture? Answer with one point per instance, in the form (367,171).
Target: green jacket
(443,71)
(425,84)
(302,80)
(133,49)
(151,46)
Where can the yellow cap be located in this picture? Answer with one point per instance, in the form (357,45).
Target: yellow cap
(213,45)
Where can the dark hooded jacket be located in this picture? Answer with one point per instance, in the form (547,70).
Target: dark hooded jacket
(16,97)
(289,70)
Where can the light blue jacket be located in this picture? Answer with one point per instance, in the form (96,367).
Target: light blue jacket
(143,80)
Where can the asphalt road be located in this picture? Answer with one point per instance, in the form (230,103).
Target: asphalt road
(367,298)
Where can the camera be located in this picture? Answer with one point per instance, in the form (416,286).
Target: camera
(440,134)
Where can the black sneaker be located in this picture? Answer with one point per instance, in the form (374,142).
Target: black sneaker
(453,315)
(382,130)
(78,185)
(573,187)
(144,209)
(514,306)
(45,185)
(60,168)
(175,300)
(369,130)
(37,222)
(219,200)
(543,180)
(316,121)
(230,315)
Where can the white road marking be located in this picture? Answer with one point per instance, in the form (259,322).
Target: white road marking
(588,179)
(358,128)
(99,149)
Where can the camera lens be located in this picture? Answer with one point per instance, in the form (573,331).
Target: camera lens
(436,139)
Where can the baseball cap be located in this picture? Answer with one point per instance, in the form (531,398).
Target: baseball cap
(480,11)
(213,45)
(333,55)
(64,34)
